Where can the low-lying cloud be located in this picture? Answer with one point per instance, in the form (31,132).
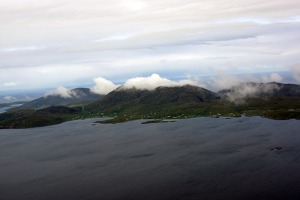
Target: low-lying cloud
(9,98)
(237,88)
(154,81)
(103,86)
(274,77)
(296,72)
(224,80)
(62,92)
(237,94)
(9,84)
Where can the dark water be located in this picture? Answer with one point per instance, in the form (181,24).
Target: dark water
(201,158)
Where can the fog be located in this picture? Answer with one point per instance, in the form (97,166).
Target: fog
(62,92)
(154,81)
(103,86)
(200,158)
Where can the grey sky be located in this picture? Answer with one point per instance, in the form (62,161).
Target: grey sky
(53,43)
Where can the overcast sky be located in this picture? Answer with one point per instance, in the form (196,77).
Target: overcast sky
(51,43)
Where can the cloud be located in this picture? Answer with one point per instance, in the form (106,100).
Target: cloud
(224,80)
(237,94)
(9,98)
(296,72)
(9,84)
(274,77)
(103,86)
(28,48)
(62,92)
(237,88)
(154,81)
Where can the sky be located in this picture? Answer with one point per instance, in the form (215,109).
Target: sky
(74,43)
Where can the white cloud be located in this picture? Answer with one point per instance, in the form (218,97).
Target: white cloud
(9,84)
(9,98)
(296,72)
(154,81)
(274,77)
(115,37)
(224,81)
(103,86)
(62,92)
(28,48)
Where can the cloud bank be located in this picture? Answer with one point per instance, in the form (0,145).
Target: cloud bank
(103,86)
(154,81)
(238,93)
(9,98)
(296,72)
(224,80)
(62,92)
(274,77)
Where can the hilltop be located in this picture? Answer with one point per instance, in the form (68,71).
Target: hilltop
(260,90)
(79,96)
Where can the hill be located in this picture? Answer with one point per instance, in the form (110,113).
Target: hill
(161,102)
(27,118)
(271,100)
(79,96)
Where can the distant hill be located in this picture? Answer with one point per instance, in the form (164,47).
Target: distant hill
(81,95)
(35,118)
(260,90)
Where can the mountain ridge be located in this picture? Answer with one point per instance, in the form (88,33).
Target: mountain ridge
(78,96)
(271,100)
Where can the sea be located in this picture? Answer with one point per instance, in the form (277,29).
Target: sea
(205,158)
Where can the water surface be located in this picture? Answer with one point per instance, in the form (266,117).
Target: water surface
(201,158)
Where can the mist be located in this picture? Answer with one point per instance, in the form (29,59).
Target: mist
(103,86)
(62,92)
(9,98)
(154,81)
(296,72)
